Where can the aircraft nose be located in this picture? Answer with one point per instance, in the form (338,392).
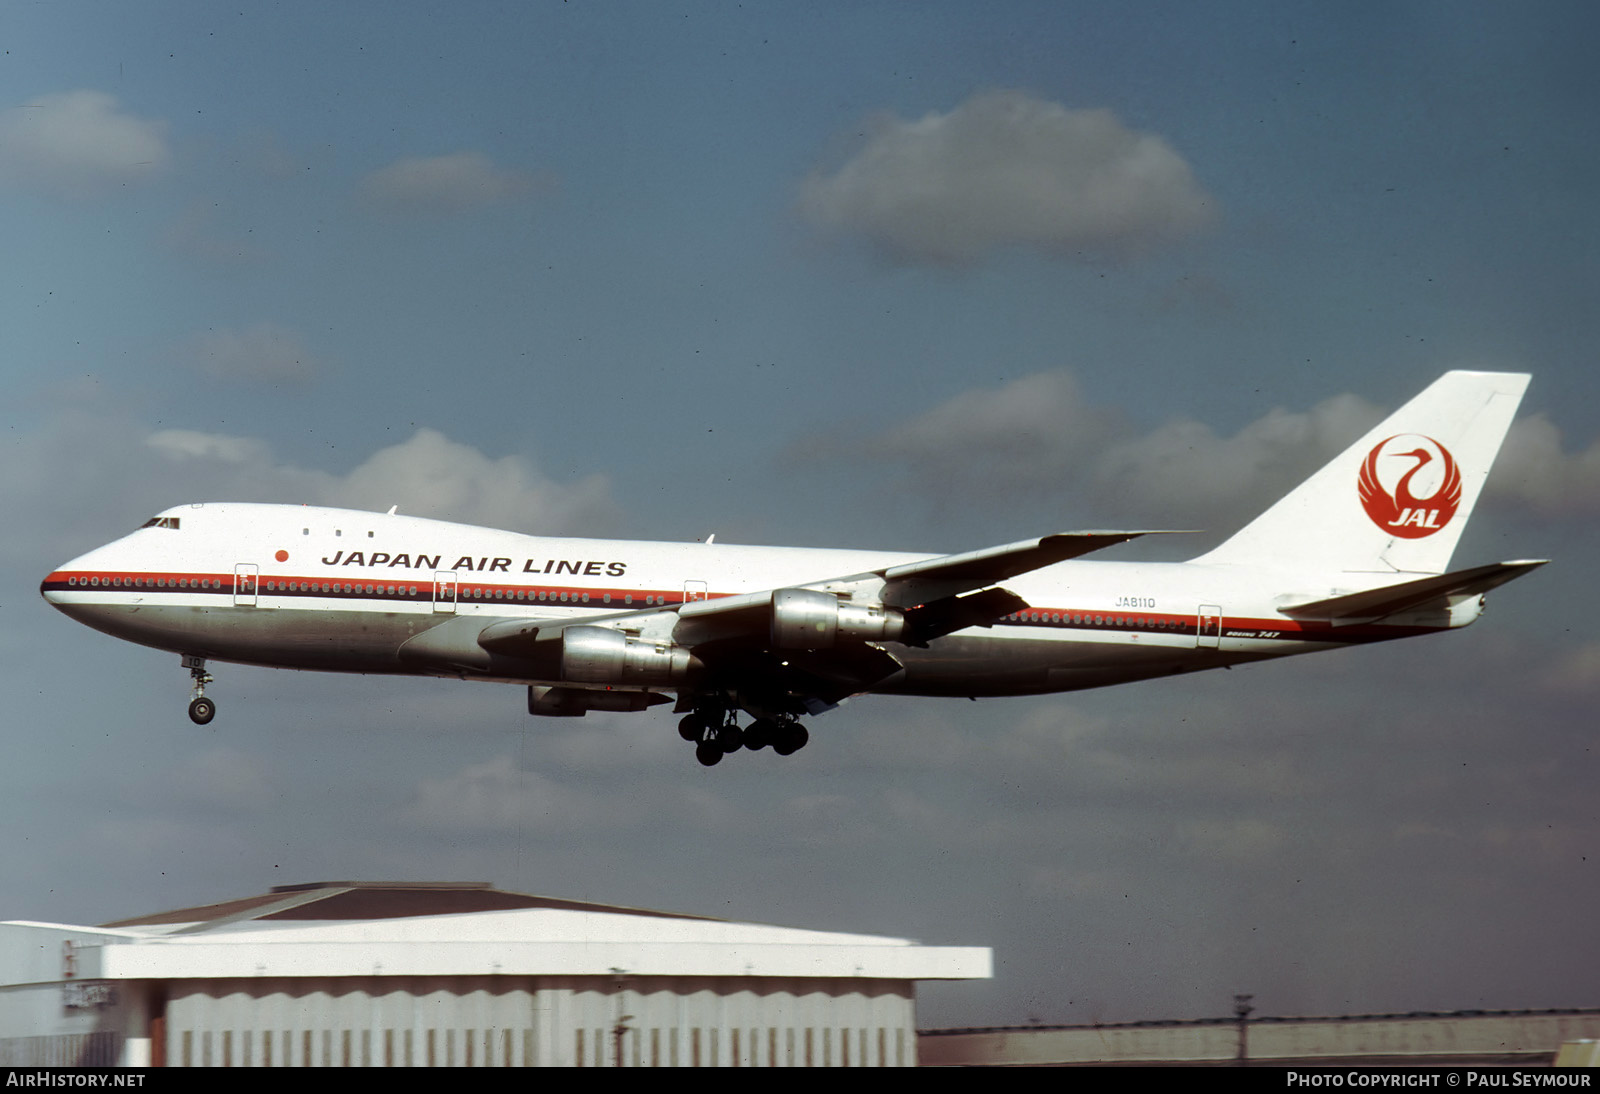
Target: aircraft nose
(60,583)
(54,584)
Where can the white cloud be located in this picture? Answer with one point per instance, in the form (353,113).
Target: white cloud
(427,475)
(441,185)
(1184,467)
(264,353)
(1036,438)
(1534,471)
(1005,169)
(188,444)
(433,475)
(79,143)
(81,476)
(1037,427)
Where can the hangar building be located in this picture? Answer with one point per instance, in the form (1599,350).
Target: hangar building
(406,974)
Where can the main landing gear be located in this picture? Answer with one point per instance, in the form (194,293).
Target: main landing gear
(715,732)
(201,709)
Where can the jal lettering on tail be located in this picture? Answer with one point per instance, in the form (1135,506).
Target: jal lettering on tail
(1400,510)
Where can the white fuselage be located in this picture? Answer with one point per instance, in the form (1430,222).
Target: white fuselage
(340,590)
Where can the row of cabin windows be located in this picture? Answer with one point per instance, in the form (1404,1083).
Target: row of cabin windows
(1079,619)
(146,582)
(336,587)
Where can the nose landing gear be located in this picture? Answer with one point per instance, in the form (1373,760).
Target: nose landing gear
(201,709)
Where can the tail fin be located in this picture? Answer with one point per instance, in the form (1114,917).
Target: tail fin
(1397,500)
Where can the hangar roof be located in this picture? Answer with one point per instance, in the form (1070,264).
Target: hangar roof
(369,900)
(462,929)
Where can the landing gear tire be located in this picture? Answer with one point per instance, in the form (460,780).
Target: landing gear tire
(730,738)
(790,738)
(201,709)
(760,733)
(709,753)
(692,727)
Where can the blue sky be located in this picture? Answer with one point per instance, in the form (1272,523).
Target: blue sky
(923,276)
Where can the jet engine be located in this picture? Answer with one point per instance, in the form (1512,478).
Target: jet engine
(576,702)
(599,655)
(808,619)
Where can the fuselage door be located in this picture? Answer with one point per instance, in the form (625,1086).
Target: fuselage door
(694,590)
(444,591)
(1208,636)
(244,585)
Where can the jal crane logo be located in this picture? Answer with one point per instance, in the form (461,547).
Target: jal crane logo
(1410,499)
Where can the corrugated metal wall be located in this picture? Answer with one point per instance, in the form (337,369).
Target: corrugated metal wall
(102,1048)
(521,1021)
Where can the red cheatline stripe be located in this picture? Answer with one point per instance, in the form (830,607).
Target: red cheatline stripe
(270,585)
(477,592)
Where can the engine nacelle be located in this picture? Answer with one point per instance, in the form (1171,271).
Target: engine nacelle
(807,619)
(599,655)
(576,702)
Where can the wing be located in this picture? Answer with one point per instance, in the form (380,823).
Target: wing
(826,639)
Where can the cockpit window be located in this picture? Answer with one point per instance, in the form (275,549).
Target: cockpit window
(161,522)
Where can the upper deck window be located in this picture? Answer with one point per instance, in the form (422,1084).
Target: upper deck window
(161,522)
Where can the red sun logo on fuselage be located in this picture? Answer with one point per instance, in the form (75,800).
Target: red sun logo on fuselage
(1411,462)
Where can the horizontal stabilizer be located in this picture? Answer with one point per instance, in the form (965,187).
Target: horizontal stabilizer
(1392,599)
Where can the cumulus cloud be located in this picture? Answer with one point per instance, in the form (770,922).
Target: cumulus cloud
(264,353)
(106,471)
(1533,470)
(1005,169)
(441,185)
(1037,427)
(1185,467)
(79,143)
(426,475)
(188,444)
(434,474)
(1037,438)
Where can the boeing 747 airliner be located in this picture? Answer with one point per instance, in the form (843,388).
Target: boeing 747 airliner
(1358,553)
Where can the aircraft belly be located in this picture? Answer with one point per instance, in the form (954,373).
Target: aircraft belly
(346,641)
(984,665)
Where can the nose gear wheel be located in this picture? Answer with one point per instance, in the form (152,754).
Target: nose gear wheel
(201,709)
